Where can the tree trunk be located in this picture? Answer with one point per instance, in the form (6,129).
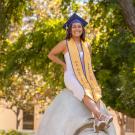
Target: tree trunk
(128,10)
(17,118)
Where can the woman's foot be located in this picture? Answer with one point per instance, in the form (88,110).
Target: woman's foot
(106,118)
(99,125)
(102,122)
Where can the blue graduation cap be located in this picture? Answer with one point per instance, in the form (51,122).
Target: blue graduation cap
(74,19)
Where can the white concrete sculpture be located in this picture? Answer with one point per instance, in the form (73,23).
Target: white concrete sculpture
(68,116)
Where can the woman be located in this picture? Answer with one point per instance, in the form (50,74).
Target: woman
(78,74)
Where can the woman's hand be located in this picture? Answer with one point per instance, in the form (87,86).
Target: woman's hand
(60,47)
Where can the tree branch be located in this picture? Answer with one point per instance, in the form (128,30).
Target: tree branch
(128,10)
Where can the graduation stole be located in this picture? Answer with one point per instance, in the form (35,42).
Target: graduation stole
(88,80)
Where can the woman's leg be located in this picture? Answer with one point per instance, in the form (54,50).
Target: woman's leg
(92,106)
(95,108)
(99,124)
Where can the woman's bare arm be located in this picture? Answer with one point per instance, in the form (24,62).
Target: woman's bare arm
(59,48)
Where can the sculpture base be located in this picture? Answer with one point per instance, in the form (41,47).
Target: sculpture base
(68,116)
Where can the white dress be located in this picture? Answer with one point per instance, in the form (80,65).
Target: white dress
(70,79)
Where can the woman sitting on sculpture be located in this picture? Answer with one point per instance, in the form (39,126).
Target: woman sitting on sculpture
(78,74)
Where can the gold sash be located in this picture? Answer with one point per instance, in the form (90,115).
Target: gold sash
(88,82)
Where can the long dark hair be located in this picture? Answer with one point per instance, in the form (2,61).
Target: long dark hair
(69,33)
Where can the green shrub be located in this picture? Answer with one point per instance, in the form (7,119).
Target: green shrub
(11,132)
(2,132)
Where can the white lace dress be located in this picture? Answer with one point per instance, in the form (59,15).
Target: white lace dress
(70,79)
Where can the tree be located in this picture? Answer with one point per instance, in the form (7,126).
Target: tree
(11,14)
(113,51)
(128,10)
(22,93)
(24,56)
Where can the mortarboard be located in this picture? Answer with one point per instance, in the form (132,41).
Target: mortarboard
(74,18)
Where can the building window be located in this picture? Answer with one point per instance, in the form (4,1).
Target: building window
(28,119)
(130,124)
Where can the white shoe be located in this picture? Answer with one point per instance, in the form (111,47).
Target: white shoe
(106,118)
(99,125)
